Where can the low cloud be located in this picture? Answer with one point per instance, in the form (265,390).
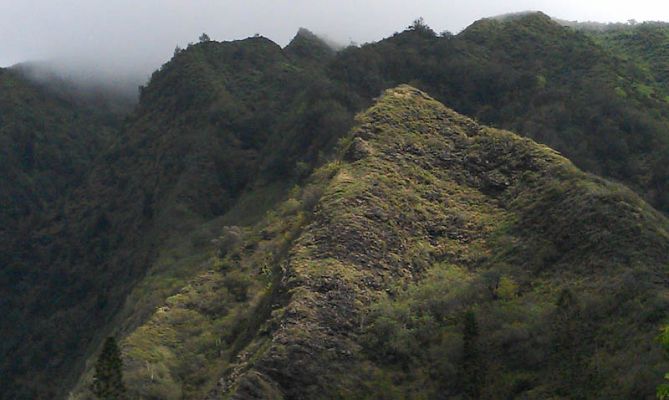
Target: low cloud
(123,41)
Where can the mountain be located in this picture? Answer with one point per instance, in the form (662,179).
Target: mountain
(308,47)
(529,74)
(358,284)
(50,139)
(220,132)
(646,44)
(189,224)
(48,142)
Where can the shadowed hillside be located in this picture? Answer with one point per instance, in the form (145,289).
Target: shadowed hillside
(50,140)
(219,123)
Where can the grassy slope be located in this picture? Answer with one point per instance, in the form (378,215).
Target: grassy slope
(531,75)
(503,208)
(647,45)
(356,285)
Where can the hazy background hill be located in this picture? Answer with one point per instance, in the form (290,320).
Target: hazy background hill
(112,212)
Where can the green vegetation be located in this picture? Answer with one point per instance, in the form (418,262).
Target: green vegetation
(48,142)
(663,389)
(556,85)
(235,249)
(433,258)
(197,154)
(471,374)
(108,379)
(644,45)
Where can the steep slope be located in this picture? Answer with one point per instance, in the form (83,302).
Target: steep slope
(48,142)
(358,285)
(219,123)
(648,45)
(545,81)
(224,130)
(466,208)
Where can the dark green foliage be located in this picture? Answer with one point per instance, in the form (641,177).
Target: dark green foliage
(471,370)
(108,379)
(569,347)
(49,140)
(101,228)
(663,389)
(220,122)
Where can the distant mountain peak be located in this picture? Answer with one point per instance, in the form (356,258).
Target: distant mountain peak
(308,46)
(520,15)
(304,32)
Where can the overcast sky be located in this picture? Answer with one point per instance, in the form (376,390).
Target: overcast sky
(133,37)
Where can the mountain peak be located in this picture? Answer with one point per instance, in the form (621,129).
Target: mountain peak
(529,18)
(434,184)
(539,15)
(398,106)
(307,46)
(306,33)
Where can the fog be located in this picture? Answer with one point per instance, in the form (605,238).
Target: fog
(121,41)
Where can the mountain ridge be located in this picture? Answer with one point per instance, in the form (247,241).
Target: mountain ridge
(316,318)
(223,132)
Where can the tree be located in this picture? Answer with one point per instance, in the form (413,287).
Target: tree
(471,373)
(108,379)
(421,27)
(569,340)
(204,38)
(663,390)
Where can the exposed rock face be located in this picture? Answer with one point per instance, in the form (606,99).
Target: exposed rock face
(424,186)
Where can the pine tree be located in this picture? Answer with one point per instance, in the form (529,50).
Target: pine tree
(471,372)
(108,379)
(569,353)
(663,389)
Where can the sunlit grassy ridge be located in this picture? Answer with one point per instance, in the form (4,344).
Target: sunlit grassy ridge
(356,286)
